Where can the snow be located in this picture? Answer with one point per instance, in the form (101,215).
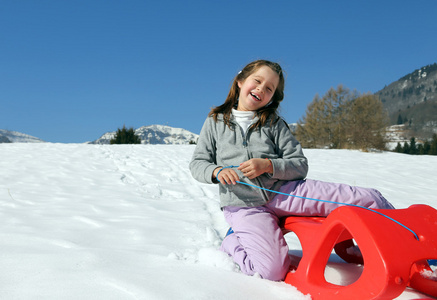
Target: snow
(83,221)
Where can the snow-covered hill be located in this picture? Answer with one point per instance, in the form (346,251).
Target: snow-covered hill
(83,221)
(7,136)
(156,134)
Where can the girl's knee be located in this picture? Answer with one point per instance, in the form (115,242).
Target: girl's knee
(275,272)
(272,263)
(275,265)
(378,201)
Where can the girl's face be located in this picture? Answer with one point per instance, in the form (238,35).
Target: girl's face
(257,90)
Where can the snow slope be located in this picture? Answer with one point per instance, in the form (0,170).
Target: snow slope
(85,221)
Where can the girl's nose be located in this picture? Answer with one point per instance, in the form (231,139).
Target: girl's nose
(260,88)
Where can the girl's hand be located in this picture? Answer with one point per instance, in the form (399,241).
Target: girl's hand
(255,167)
(226,176)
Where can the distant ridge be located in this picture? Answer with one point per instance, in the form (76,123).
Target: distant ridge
(412,101)
(156,134)
(7,136)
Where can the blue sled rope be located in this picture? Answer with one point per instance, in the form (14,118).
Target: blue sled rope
(325,201)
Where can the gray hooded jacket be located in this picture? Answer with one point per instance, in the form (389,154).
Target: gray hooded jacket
(221,146)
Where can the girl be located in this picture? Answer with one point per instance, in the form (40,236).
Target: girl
(246,131)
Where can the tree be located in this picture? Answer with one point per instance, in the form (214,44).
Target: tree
(314,130)
(420,149)
(366,123)
(343,119)
(406,148)
(324,122)
(400,120)
(426,149)
(433,148)
(398,148)
(413,146)
(125,136)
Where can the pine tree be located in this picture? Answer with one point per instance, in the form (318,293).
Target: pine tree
(413,146)
(406,148)
(433,148)
(125,136)
(426,148)
(420,149)
(400,121)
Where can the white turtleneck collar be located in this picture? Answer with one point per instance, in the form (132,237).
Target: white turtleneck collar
(244,119)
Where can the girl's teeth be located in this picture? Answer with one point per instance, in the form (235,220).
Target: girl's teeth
(256,97)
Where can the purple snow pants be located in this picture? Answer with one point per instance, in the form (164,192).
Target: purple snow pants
(258,245)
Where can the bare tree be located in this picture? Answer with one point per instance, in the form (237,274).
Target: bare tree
(343,119)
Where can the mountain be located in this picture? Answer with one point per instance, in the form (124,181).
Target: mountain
(412,100)
(156,134)
(7,136)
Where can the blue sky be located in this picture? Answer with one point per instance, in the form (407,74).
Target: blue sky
(73,70)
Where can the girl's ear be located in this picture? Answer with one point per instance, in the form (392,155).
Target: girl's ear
(239,84)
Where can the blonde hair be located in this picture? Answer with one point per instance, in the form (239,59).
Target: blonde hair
(264,113)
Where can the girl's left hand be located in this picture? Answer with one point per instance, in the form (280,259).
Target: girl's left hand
(254,167)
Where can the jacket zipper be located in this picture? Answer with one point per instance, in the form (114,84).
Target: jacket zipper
(245,145)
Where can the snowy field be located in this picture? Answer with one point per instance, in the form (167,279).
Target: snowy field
(129,222)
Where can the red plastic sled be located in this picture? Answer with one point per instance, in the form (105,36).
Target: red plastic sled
(392,256)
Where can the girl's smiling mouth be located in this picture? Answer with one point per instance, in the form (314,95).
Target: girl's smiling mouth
(256,97)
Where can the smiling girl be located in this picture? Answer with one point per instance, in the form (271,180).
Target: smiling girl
(246,131)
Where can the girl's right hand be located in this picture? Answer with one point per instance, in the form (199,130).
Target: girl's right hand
(226,176)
